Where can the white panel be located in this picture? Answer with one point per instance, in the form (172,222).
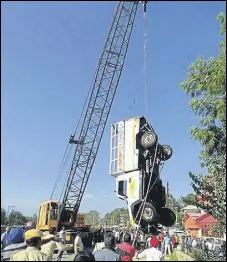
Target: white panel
(131,153)
(117,148)
(121,149)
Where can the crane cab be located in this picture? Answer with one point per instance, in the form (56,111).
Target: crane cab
(48,215)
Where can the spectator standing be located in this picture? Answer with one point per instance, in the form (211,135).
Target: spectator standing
(78,244)
(108,252)
(5,238)
(117,236)
(189,244)
(148,242)
(62,236)
(194,243)
(127,248)
(152,253)
(167,244)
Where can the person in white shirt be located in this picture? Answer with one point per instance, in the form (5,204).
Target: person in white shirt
(117,236)
(62,235)
(209,245)
(78,244)
(194,243)
(152,253)
(148,241)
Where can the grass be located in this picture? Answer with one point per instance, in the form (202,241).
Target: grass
(172,257)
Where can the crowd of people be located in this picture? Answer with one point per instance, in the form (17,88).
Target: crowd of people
(29,244)
(138,244)
(210,247)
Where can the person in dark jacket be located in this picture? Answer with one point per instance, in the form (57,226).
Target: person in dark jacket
(108,252)
(84,256)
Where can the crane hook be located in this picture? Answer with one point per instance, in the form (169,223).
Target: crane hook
(144,5)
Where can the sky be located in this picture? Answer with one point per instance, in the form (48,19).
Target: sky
(49,54)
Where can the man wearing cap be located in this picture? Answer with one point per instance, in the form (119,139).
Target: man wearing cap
(152,253)
(32,252)
(50,247)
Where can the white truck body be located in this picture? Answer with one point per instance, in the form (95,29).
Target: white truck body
(124,164)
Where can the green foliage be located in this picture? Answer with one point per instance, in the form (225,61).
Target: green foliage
(32,218)
(174,203)
(197,254)
(3,216)
(217,230)
(172,257)
(189,199)
(16,218)
(92,218)
(116,217)
(206,86)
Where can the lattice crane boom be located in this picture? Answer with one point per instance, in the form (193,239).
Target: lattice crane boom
(105,84)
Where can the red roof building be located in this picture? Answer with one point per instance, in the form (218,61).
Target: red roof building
(198,224)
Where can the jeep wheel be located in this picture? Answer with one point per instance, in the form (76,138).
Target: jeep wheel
(148,139)
(149,213)
(166,152)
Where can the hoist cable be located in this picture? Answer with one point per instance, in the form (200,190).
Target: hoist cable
(59,172)
(145,62)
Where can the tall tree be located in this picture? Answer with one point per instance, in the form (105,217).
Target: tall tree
(206,86)
(92,218)
(189,199)
(116,217)
(16,218)
(3,216)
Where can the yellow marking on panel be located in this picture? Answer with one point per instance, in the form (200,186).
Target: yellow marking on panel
(132,187)
(132,222)
(120,157)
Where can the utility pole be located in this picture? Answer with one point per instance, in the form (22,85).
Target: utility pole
(9,212)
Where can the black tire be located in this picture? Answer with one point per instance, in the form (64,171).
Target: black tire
(148,139)
(166,152)
(149,213)
(167,217)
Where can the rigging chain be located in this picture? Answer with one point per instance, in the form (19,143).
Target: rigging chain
(147,192)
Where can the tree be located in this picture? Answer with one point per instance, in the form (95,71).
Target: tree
(117,217)
(206,86)
(189,199)
(216,230)
(3,216)
(32,219)
(92,218)
(16,218)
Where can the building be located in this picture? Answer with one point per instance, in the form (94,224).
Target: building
(190,209)
(198,224)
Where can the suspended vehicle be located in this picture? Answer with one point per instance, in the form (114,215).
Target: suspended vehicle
(136,158)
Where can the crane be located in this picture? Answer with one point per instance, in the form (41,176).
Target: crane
(103,90)
(106,81)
